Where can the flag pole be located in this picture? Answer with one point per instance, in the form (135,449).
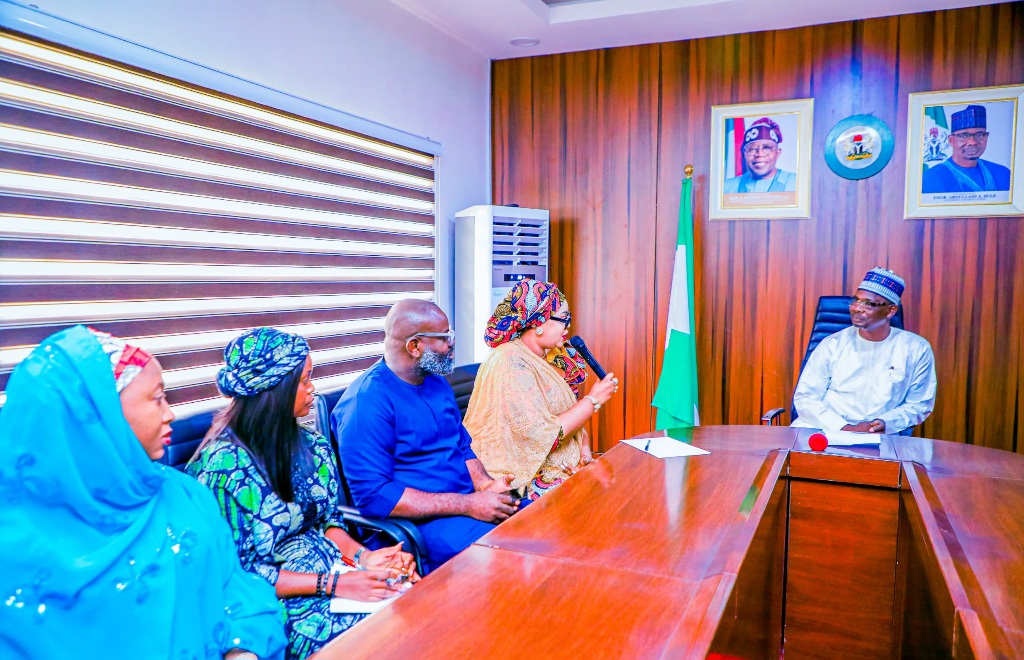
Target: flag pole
(675,395)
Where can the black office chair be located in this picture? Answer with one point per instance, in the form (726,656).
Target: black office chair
(363,527)
(832,315)
(462,381)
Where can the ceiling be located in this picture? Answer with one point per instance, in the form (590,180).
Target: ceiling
(570,25)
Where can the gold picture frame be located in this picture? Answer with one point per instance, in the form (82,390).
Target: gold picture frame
(965,153)
(751,178)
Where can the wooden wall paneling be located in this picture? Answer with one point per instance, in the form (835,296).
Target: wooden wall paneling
(683,82)
(598,177)
(967,316)
(757,282)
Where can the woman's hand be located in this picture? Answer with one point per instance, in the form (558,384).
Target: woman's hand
(368,585)
(604,389)
(392,559)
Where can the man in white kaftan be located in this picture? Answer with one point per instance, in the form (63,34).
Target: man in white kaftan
(870,377)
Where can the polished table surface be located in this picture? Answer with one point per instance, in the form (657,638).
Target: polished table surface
(637,557)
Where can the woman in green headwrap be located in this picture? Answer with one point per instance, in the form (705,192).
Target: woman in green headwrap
(277,485)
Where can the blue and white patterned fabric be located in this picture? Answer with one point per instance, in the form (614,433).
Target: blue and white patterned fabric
(885,283)
(258,359)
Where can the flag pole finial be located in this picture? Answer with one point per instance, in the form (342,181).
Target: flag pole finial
(689,171)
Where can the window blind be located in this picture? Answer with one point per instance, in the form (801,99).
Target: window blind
(176,217)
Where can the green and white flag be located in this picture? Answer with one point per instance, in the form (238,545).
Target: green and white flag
(935,137)
(676,396)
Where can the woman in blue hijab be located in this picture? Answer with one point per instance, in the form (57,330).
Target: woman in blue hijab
(106,554)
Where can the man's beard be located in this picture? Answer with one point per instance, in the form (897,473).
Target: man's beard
(432,362)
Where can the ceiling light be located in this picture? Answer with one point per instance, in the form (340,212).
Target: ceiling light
(524,42)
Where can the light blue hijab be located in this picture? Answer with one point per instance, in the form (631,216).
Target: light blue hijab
(103,553)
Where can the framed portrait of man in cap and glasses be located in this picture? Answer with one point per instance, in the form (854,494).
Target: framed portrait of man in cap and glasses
(965,151)
(760,160)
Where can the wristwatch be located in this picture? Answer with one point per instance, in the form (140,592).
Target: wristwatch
(593,400)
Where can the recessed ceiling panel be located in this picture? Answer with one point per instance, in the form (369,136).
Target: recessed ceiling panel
(498,28)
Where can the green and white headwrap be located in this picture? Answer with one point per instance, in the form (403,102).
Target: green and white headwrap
(259,359)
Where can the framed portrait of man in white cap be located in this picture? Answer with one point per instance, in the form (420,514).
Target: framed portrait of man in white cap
(965,153)
(761,160)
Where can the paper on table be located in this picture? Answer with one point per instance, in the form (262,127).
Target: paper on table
(666,447)
(838,438)
(349,606)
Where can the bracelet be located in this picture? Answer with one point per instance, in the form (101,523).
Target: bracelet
(320,585)
(359,553)
(593,400)
(334,585)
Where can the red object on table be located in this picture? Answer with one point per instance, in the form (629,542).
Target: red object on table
(818,442)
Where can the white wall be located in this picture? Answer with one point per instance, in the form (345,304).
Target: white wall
(369,58)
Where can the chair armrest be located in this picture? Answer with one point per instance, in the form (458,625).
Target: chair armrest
(398,529)
(772,416)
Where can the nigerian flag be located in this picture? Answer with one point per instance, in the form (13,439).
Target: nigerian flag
(676,396)
(935,133)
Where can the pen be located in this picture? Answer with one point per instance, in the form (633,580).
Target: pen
(648,445)
(351,564)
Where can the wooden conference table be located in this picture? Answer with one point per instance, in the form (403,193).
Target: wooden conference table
(914,549)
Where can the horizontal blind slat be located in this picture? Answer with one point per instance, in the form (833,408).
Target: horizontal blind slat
(81,129)
(17,139)
(180,217)
(55,187)
(48,101)
(29,227)
(189,95)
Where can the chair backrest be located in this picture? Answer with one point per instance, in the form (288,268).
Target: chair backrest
(831,316)
(462,381)
(186,434)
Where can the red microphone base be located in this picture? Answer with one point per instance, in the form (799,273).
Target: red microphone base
(818,442)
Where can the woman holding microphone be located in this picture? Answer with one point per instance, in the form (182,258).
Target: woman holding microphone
(526,414)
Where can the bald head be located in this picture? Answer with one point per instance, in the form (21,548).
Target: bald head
(404,352)
(407,317)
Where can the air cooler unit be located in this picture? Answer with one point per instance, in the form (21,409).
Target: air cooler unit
(495,247)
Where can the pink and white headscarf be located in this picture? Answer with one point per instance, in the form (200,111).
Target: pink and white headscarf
(126,360)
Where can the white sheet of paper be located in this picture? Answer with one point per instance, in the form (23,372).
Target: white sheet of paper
(837,438)
(666,447)
(349,606)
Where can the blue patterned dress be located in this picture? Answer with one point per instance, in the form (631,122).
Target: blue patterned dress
(272,535)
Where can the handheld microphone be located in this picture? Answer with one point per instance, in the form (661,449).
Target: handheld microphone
(577,343)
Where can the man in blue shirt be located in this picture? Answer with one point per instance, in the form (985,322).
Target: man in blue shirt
(966,171)
(403,446)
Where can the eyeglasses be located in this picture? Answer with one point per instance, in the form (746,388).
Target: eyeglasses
(449,336)
(976,135)
(752,149)
(564,320)
(867,303)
